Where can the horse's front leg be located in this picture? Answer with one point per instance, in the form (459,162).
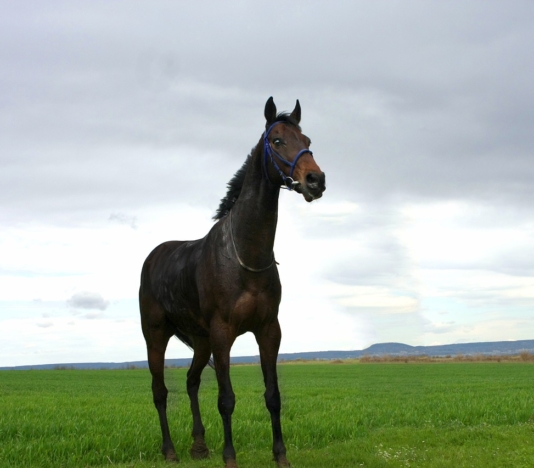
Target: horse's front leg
(222,338)
(268,339)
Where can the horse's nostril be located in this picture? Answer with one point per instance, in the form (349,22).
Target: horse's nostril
(315,181)
(312,180)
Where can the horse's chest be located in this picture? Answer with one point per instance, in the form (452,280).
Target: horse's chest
(253,308)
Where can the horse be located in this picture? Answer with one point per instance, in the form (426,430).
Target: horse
(209,291)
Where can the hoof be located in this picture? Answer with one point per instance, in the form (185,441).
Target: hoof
(199,450)
(230,464)
(171,458)
(170,455)
(282,461)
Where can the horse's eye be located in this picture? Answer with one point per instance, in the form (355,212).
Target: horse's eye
(277,141)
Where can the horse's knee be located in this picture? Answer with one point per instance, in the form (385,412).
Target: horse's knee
(226,402)
(192,387)
(159,394)
(193,384)
(272,401)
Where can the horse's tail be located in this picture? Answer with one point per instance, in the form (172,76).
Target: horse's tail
(187,341)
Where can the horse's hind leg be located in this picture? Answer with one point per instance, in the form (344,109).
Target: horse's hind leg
(157,332)
(268,339)
(201,357)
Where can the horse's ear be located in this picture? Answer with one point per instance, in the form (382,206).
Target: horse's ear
(296,112)
(270,110)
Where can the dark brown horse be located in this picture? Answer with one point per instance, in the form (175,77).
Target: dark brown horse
(209,291)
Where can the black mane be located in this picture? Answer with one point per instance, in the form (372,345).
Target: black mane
(236,182)
(234,189)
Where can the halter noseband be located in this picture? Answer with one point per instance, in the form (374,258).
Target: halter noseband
(268,152)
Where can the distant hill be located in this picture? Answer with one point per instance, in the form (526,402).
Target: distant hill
(487,348)
(381,349)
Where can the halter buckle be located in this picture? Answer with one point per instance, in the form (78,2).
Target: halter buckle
(290,184)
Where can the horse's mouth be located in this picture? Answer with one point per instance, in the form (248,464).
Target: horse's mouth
(309,195)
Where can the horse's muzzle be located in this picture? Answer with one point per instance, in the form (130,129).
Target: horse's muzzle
(313,187)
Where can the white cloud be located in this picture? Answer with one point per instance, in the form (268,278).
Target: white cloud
(378,298)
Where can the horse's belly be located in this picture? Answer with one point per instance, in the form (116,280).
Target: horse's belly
(189,321)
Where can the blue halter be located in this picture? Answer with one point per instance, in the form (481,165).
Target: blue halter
(268,152)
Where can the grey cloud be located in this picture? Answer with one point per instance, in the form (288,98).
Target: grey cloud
(380,258)
(92,315)
(521,264)
(376,264)
(493,298)
(122,218)
(47,324)
(398,105)
(87,300)
(388,323)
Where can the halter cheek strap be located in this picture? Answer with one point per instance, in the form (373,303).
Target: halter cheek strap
(269,152)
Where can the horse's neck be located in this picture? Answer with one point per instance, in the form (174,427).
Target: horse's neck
(255,215)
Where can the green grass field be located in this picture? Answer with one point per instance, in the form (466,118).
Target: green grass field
(334,415)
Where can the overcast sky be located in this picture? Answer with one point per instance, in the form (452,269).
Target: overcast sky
(122,122)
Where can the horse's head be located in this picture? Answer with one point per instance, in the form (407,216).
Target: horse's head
(287,156)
